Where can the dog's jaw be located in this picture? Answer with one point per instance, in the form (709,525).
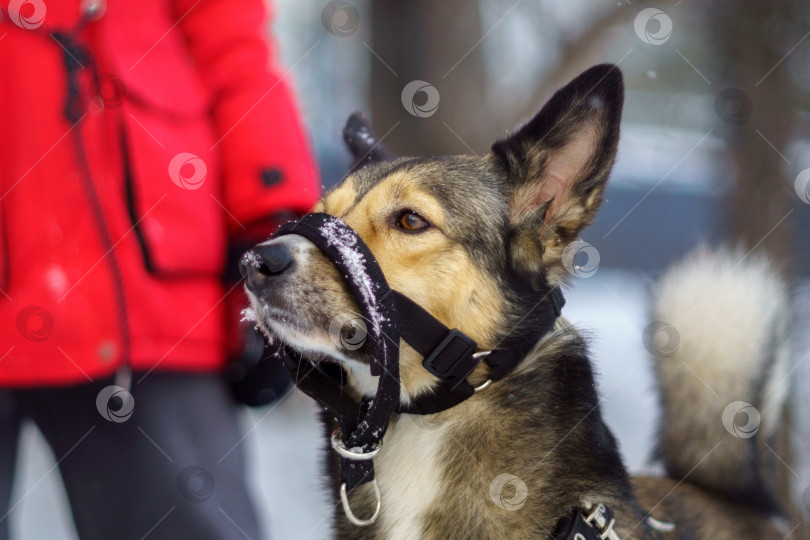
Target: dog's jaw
(275,325)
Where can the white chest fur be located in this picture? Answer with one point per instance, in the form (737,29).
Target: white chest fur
(407,470)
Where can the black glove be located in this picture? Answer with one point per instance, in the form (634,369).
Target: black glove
(257,377)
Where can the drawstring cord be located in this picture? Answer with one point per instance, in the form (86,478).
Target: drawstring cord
(75,58)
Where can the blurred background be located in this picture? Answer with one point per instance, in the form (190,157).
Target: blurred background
(715,148)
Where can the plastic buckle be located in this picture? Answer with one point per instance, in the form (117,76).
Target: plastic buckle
(452,338)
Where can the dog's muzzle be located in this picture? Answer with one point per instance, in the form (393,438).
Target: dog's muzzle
(362,425)
(449,354)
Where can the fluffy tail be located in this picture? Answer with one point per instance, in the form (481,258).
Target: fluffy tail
(720,337)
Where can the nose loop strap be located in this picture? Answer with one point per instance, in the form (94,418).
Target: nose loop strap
(364,427)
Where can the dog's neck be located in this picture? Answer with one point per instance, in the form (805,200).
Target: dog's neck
(539,420)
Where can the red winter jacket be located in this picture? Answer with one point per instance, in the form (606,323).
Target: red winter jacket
(131,145)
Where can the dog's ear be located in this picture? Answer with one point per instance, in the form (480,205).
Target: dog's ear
(363,143)
(557,167)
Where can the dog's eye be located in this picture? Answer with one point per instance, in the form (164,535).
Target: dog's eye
(412,222)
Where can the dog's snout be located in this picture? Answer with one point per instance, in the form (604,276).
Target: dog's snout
(265,262)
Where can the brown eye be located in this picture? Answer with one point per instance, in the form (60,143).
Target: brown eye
(412,222)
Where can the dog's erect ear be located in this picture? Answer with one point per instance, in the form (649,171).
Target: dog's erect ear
(557,167)
(362,142)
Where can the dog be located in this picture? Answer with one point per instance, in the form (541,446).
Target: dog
(478,242)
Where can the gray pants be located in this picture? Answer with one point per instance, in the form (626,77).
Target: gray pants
(173,470)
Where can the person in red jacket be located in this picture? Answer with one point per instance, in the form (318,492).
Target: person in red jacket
(137,141)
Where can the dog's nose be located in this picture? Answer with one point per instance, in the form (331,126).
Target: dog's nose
(263,263)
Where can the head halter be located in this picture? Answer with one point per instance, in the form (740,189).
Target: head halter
(389,315)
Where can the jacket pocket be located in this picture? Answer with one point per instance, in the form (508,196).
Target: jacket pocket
(172,193)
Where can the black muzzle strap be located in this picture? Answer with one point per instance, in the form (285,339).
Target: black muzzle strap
(363,425)
(323,383)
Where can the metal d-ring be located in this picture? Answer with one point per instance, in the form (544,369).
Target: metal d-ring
(482,386)
(340,447)
(482,354)
(344,498)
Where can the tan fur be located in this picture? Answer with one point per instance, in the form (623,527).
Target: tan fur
(338,200)
(413,264)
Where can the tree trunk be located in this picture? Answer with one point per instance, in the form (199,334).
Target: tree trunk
(435,42)
(757,119)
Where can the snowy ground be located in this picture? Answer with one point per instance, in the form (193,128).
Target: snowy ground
(284,440)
